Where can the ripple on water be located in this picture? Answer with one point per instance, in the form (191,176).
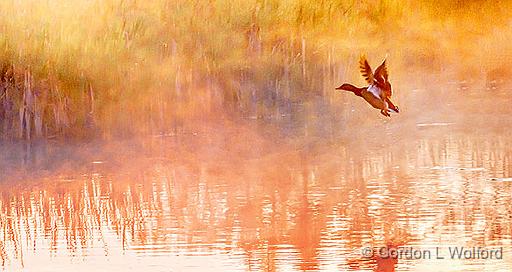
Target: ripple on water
(291,213)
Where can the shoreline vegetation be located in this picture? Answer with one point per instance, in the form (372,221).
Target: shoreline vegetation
(117,68)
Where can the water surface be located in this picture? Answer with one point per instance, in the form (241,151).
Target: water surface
(247,201)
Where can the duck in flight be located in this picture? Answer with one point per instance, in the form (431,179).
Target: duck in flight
(378,92)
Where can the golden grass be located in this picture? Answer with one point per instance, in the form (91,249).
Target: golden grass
(128,66)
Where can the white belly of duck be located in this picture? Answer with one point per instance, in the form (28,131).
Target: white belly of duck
(374,100)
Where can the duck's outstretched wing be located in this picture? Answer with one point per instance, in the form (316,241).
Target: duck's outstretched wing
(381,73)
(381,77)
(366,70)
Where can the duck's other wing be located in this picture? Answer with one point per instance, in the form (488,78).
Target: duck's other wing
(381,73)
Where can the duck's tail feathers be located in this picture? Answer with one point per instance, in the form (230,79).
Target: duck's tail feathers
(392,106)
(351,88)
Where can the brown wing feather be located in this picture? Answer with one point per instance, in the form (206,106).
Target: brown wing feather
(381,73)
(366,70)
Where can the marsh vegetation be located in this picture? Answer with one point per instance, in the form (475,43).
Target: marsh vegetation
(207,135)
(75,68)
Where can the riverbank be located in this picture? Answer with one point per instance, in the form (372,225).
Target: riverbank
(106,69)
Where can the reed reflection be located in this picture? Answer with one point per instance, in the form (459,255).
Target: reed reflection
(302,210)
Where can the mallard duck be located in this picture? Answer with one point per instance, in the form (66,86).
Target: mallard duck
(378,92)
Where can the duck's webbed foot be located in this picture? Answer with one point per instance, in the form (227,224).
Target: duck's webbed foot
(385,113)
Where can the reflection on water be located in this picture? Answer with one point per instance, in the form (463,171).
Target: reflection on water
(300,208)
(288,212)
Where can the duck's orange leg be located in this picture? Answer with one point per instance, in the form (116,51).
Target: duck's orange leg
(385,113)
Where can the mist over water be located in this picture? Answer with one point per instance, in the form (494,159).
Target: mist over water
(253,195)
(208,135)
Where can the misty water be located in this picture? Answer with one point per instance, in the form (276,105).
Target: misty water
(246,196)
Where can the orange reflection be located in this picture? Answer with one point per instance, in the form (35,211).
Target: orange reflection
(302,210)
